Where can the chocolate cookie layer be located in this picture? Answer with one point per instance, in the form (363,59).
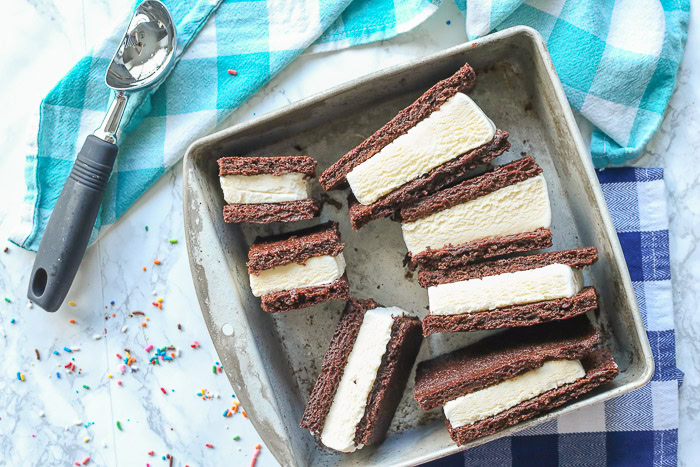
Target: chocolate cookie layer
(577,258)
(600,369)
(266,213)
(441,176)
(500,177)
(392,376)
(513,316)
(456,256)
(389,385)
(500,357)
(294,247)
(304,297)
(463,80)
(277,165)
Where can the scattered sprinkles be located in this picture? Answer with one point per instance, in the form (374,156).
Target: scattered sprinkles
(232,72)
(206,395)
(448,22)
(164,353)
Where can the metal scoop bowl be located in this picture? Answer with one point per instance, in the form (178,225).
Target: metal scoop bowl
(144,56)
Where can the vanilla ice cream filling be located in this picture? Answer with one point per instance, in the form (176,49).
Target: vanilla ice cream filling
(513,288)
(458,126)
(317,270)
(495,399)
(265,188)
(522,207)
(360,371)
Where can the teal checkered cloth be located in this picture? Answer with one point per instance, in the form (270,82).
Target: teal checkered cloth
(618,67)
(617,60)
(257,39)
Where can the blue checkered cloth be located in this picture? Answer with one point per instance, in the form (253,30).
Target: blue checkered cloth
(640,428)
(617,60)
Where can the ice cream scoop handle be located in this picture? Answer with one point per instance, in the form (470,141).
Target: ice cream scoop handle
(70,226)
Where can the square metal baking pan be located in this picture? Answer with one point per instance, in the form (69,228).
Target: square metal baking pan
(272,360)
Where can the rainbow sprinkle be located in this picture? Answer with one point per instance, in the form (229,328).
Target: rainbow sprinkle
(255,455)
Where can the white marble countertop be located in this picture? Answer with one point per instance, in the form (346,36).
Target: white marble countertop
(52,421)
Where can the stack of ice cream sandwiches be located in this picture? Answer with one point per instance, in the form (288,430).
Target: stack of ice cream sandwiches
(472,231)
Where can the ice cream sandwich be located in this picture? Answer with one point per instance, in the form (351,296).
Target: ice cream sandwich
(298,269)
(261,190)
(513,376)
(503,211)
(430,144)
(363,376)
(509,292)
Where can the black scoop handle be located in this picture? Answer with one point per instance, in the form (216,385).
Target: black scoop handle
(68,232)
